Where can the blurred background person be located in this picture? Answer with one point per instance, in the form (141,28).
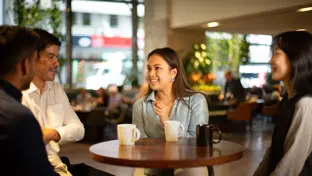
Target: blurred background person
(256,91)
(233,88)
(102,98)
(83,97)
(115,98)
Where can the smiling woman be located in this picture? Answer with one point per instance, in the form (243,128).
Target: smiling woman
(166,71)
(290,151)
(169,98)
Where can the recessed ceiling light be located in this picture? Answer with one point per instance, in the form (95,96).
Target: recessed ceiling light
(212,24)
(301,30)
(306,9)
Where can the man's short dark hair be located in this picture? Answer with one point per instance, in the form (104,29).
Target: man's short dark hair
(46,39)
(16,43)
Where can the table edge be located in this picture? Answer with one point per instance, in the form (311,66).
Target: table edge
(167,164)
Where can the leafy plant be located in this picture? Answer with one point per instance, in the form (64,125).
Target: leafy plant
(234,52)
(227,53)
(27,14)
(34,16)
(19,9)
(197,60)
(218,51)
(244,50)
(55,19)
(198,65)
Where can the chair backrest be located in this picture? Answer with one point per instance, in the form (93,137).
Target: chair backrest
(270,110)
(243,111)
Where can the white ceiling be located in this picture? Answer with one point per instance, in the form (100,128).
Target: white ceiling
(265,23)
(281,16)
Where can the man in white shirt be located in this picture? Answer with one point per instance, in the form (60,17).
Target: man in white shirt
(49,103)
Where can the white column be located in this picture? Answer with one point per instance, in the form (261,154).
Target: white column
(156,24)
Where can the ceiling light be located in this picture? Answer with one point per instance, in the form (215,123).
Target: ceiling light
(301,30)
(305,9)
(212,24)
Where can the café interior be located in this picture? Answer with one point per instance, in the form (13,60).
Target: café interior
(217,41)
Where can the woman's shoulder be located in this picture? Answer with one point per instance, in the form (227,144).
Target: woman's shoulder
(198,97)
(305,101)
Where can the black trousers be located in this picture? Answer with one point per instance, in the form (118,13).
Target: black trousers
(83,169)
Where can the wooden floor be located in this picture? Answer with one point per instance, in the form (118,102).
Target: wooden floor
(255,142)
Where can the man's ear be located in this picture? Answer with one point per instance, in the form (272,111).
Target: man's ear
(24,65)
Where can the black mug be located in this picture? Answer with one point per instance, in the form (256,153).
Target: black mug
(204,135)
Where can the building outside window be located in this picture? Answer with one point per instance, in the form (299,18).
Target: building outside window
(74,18)
(113,19)
(101,43)
(86,19)
(254,74)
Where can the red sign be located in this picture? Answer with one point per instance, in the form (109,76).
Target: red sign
(102,41)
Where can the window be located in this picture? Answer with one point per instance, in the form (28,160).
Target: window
(259,39)
(86,19)
(113,20)
(74,18)
(259,53)
(260,48)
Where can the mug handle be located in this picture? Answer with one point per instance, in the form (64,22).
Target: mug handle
(137,134)
(219,132)
(181,126)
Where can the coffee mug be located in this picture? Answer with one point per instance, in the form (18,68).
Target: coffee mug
(173,130)
(127,134)
(204,135)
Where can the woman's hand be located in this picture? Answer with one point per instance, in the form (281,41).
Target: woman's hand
(162,111)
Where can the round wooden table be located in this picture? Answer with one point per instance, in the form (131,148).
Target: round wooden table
(157,153)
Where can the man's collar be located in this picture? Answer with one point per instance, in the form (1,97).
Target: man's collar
(33,88)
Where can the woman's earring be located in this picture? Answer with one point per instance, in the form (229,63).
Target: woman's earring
(172,79)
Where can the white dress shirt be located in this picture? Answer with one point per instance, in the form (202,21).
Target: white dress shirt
(52,110)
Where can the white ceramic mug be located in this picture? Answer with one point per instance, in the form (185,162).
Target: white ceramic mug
(127,134)
(173,130)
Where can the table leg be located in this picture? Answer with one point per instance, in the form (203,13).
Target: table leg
(210,171)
